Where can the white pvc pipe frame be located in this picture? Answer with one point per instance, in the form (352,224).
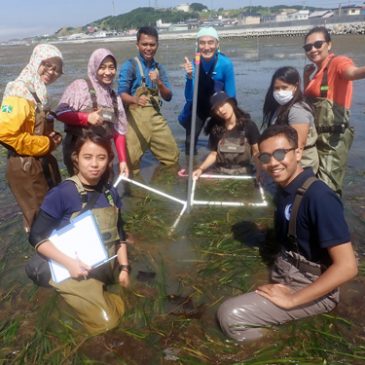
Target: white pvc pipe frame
(184,203)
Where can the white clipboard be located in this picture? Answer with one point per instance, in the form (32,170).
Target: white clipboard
(79,239)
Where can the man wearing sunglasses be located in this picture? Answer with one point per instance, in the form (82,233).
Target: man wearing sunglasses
(329,90)
(311,263)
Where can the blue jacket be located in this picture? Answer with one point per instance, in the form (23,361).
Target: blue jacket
(223,75)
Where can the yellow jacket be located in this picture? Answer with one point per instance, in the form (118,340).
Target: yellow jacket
(17,120)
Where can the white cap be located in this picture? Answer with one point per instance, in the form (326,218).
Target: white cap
(207,31)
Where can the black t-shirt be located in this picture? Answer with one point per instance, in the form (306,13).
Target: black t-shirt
(250,129)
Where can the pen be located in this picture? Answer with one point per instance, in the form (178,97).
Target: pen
(105,261)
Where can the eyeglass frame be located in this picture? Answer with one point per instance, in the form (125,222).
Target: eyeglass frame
(271,155)
(316,45)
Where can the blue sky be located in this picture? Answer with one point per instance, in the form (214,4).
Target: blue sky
(22,18)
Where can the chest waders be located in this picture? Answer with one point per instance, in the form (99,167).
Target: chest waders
(147,128)
(97,309)
(31,177)
(234,154)
(310,153)
(110,116)
(248,316)
(335,136)
(44,125)
(293,256)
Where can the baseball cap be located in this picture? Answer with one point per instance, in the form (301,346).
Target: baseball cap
(207,31)
(219,98)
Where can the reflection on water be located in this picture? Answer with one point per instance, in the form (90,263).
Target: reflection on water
(187,274)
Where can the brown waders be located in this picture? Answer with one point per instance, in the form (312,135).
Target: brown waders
(97,309)
(335,137)
(30,177)
(148,129)
(247,316)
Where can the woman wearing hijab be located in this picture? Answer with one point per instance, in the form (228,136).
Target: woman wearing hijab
(92,103)
(24,130)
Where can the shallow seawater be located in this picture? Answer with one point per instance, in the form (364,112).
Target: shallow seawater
(179,278)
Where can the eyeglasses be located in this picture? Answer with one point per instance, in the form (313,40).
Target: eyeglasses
(317,45)
(278,154)
(52,68)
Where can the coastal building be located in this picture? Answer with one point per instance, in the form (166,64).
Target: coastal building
(322,14)
(250,20)
(298,15)
(183,7)
(180,27)
(349,10)
(281,17)
(162,26)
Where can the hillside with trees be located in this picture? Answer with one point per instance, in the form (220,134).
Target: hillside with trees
(148,16)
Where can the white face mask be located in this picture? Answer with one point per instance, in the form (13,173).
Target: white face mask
(283,96)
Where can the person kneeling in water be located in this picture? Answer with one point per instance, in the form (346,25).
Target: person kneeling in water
(315,252)
(233,138)
(97,309)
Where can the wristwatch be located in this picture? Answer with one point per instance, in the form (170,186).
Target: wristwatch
(127,268)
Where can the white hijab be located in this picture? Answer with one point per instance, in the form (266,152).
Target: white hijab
(29,80)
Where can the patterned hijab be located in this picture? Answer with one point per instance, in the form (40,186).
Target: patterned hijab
(77,96)
(29,80)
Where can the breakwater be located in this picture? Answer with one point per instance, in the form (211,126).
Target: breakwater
(276,31)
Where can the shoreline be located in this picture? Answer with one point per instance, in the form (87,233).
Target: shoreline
(350,28)
(355,28)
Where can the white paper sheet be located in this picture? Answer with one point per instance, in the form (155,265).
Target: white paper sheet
(80,239)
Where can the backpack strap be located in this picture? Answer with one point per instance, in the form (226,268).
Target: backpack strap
(92,95)
(292,231)
(324,83)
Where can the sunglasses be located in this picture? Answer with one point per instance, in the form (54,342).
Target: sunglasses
(317,45)
(278,154)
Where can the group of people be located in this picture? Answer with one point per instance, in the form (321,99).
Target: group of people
(306,134)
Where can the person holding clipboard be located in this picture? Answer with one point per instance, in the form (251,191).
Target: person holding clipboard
(88,189)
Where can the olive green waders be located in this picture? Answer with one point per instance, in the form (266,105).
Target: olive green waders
(148,129)
(334,142)
(30,177)
(334,136)
(97,309)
